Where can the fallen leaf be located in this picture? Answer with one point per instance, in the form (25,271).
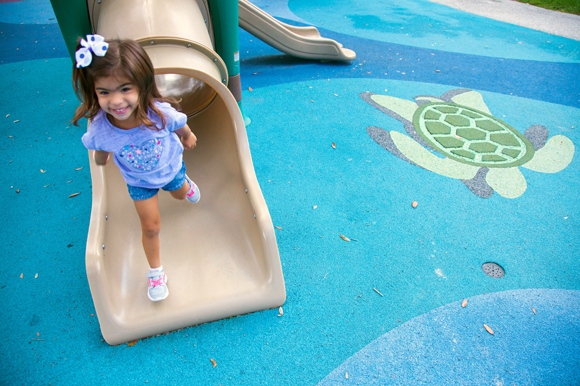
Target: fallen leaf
(314,207)
(7,115)
(22,275)
(74,194)
(16,121)
(213,362)
(38,334)
(534,310)
(249,88)
(488,329)
(42,171)
(281,311)
(36,276)
(17,190)
(335,94)
(346,375)
(132,343)
(344,238)
(334,145)
(80,168)
(414,204)
(464,303)
(437,71)
(278,228)
(311,101)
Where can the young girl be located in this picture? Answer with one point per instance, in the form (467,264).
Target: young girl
(115,82)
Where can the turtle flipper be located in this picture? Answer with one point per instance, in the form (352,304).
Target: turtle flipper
(394,107)
(507,182)
(478,185)
(400,109)
(422,99)
(537,135)
(427,160)
(471,99)
(383,138)
(555,156)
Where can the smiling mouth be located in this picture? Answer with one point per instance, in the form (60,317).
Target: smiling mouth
(120,111)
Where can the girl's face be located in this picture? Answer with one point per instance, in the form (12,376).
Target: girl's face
(119,98)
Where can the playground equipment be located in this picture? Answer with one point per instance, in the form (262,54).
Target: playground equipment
(220,255)
(302,42)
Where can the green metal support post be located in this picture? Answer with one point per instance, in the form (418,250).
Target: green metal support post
(73,21)
(224,14)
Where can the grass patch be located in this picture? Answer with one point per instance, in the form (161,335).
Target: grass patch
(567,6)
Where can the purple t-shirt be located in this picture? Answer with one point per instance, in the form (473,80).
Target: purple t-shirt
(146,158)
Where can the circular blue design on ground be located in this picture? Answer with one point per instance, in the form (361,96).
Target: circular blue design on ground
(536,341)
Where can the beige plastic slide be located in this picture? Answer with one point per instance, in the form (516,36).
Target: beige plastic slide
(220,255)
(302,42)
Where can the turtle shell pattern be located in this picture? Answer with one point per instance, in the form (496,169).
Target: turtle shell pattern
(470,136)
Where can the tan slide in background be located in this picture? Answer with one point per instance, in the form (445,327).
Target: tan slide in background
(220,255)
(302,42)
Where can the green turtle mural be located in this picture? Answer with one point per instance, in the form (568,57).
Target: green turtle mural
(475,147)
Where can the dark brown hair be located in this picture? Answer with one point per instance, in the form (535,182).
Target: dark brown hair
(124,59)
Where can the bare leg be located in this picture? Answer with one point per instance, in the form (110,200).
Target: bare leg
(181,192)
(148,211)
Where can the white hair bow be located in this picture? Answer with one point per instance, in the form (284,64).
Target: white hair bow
(95,44)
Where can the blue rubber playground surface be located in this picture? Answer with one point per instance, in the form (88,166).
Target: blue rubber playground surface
(401,298)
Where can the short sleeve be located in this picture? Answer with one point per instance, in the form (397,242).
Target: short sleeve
(93,138)
(88,141)
(175,119)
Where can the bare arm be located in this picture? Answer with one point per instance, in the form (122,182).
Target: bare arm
(188,139)
(101,157)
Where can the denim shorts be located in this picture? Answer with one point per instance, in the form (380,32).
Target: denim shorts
(138,194)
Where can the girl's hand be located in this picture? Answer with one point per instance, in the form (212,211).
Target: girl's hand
(189,142)
(188,139)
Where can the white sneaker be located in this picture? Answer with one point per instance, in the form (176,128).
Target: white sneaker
(157,286)
(193,195)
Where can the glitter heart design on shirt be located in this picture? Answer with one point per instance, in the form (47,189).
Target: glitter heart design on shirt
(144,157)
